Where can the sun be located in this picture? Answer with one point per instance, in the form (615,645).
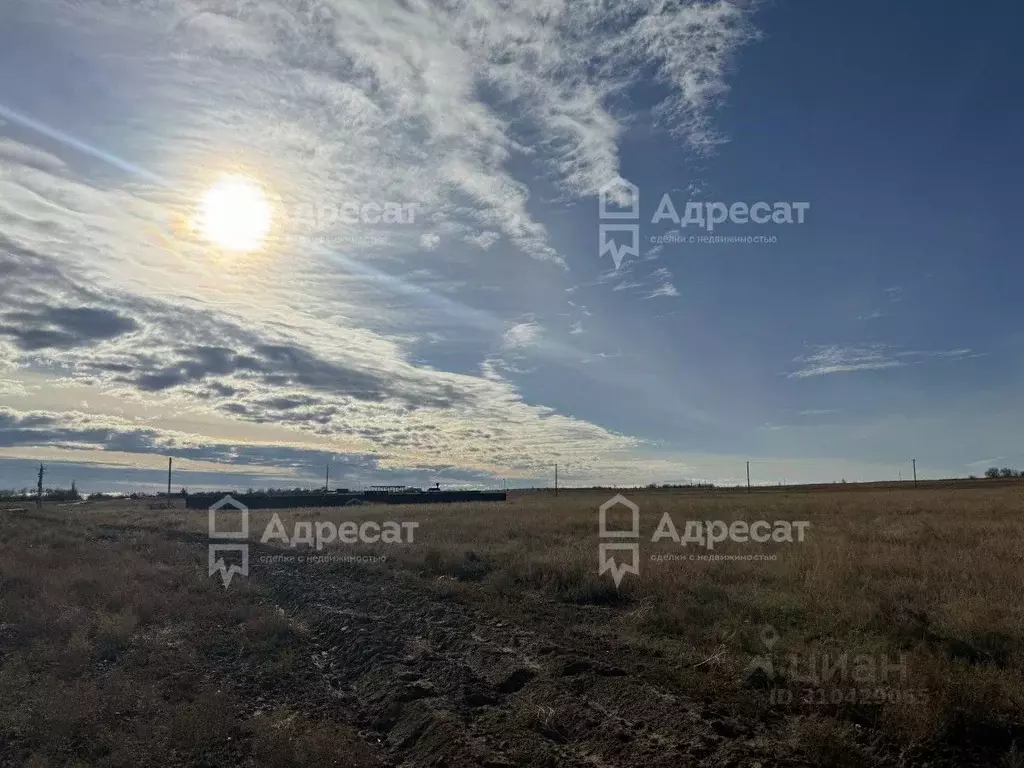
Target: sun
(234,214)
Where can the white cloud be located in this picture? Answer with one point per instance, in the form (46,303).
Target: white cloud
(665,289)
(830,359)
(483,240)
(455,108)
(894,294)
(837,359)
(871,316)
(523,334)
(627,285)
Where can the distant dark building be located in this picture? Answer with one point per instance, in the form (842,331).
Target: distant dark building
(379,489)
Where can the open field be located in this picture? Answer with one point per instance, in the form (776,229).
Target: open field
(892,635)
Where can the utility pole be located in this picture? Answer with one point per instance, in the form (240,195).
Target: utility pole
(556,479)
(39,487)
(748,477)
(327,481)
(914,463)
(170,463)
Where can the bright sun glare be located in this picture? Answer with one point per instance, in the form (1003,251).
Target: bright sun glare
(234,214)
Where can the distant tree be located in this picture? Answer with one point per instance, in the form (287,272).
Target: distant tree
(1007,472)
(992,472)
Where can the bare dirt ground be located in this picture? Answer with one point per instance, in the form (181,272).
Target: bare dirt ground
(492,641)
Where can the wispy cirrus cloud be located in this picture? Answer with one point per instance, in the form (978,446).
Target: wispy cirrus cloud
(665,289)
(523,334)
(456,109)
(826,360)
(894,294)
(384,99)
(631,277)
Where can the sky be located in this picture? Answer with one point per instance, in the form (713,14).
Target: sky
(429,295)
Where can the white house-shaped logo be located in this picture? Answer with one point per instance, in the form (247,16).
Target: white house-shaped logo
(217,563)
(231,503)
(605,551)
(602,519)
(625,199)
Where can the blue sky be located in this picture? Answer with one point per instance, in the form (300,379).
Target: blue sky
(484,339)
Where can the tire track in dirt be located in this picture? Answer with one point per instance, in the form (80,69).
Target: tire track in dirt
(433,681)
(444,684)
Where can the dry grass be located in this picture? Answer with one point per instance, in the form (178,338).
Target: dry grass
(105,632)
(110,642)
(932,575)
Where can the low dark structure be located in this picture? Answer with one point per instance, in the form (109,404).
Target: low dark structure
(290,501)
